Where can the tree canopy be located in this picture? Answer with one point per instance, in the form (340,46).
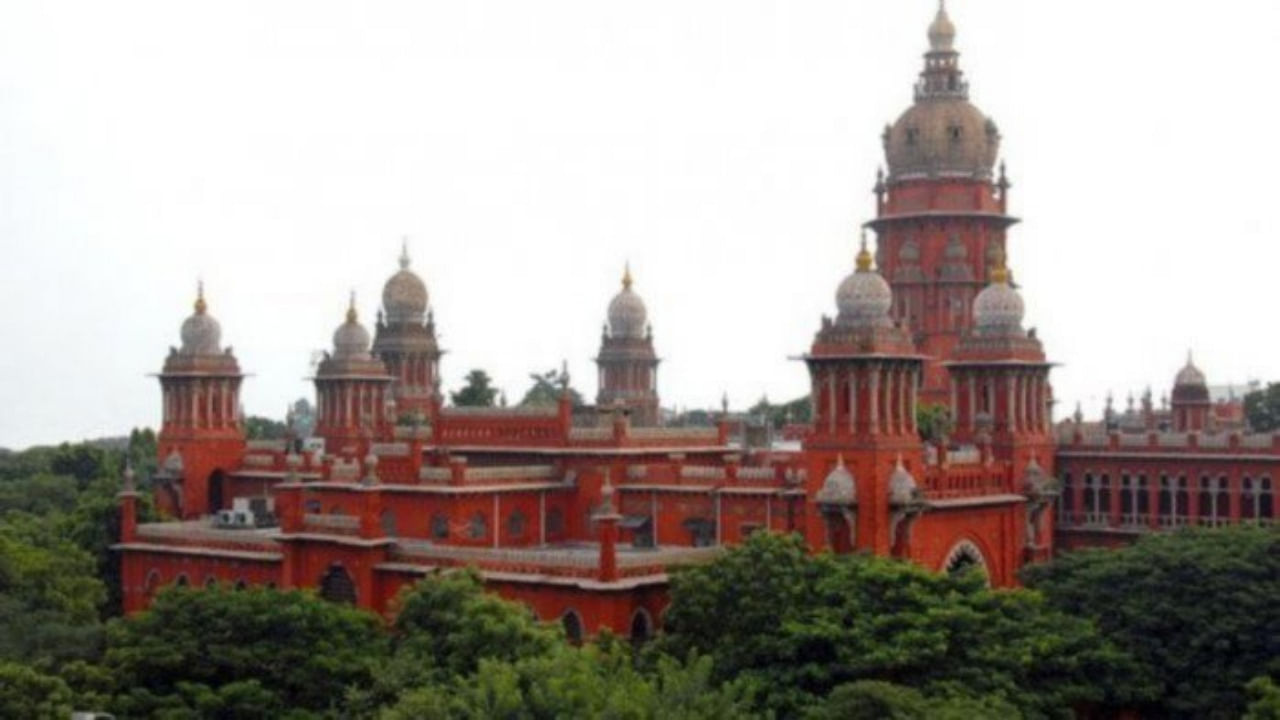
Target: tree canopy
(547,388)
(477,391)
(1196,608)
(1262,408)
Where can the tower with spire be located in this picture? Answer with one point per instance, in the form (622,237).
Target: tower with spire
(201,435)
(864,372)
(627,362)
(353,402)
(405,340)
(941,210)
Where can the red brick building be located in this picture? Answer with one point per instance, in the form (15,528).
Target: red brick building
(583,520)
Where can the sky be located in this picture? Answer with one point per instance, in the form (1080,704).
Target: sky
(726,148)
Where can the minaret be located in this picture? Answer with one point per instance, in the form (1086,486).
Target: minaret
(1191,403)
(352,389)
(941,209)
(201,437)
(865,373)
(628,365)
(405,340)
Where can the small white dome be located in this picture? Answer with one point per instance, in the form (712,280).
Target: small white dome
(628,316)
(902,485)
(998,309)
(838,488)
(351,340)
(404,297)
(864,297)
(201,333)
(1189,375)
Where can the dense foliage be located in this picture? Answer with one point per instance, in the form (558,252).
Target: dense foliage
(477,391)
(1262,408)
(1197,609)
(547,388)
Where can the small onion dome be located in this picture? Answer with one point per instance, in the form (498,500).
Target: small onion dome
(627,313)
(998,309)
(838,488)
(864,298)
(1189,375)
(351,340)
(942,32)
(902,486)
(201,334)
(172,464)
(404,297)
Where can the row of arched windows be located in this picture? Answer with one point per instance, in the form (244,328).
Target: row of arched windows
(154,582)
(1167,503)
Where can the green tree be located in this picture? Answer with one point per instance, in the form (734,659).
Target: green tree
(878,700)
(257,427)
(1196,608)
(1264,699)
(547,388)
(31,695)
(477,392)
(799,410)
(199,649)
(933,422)
(49,594)
(812,623)
(1262,408)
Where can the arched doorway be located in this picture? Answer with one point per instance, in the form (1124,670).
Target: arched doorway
(572,622)
(641,627)
(966,557)
(337,585)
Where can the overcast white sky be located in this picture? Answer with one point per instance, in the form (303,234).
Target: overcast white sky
(727,147)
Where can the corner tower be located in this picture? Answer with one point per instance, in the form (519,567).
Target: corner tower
(627,362)
(201,436)
(405,340)
(941,211)
(352,395)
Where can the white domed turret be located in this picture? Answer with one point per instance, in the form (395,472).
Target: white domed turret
(864,298)
(998,309)
(351,340)
(201,334)
(404,297)
(838,488)
(628,316)
(903,488)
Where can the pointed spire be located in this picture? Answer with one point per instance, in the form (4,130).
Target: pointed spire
(999,269)
(404,252)
(129,476)
(840,460)
(351,309)
(942,32)
(201,305)
(863,261)
(626,276)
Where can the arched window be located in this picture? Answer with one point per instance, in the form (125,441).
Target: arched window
(1266,500)
(1126,499)
(439,527)
(1104,500)
(1066,503)
(337,585)
(965,556)
(478,528)
(151,584)
(641,626)
(1090,498)
(1181,510)
(1208,513)
(572,622)
(389,523)
(516,524)
(210,582)
(1166,500)
(240,585)
(182,580)
(1142,499)
(1248,499)
(1222,502)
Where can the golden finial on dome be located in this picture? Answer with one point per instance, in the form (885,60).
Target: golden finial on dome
(626,276)
(201,305)
(404,252)
(864,255)
(351,308)
(999,271)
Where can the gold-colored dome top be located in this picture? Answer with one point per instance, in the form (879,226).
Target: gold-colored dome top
(863,261)
(626,276)
(352,316)
(201,306)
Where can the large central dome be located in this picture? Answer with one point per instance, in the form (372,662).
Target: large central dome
(404,297)
(942,134)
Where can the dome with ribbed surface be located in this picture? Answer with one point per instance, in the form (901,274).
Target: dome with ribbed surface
(1189,375)
(404,297)
(864,297)
(903,488)
(201,333)
(998,309)
(351,339)
(838,488)
(628,316)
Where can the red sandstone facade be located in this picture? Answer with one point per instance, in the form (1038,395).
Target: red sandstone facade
(583,522)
